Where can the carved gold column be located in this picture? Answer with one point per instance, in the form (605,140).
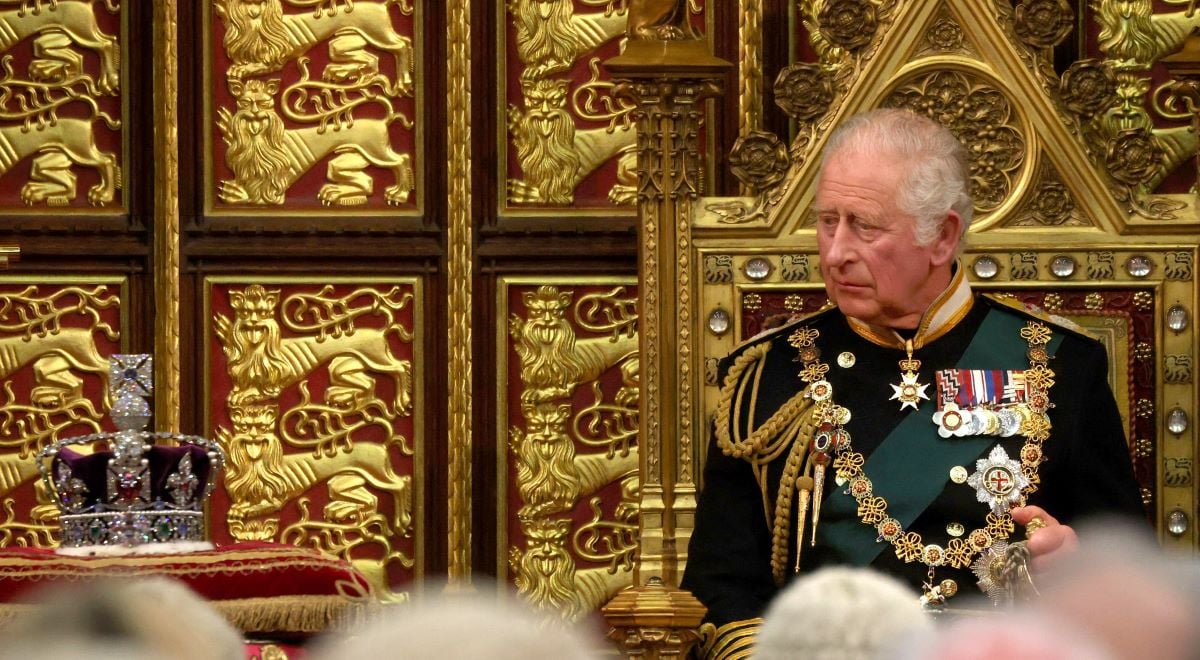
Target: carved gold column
(667,70)
(459,265)
(750,90)
(166,216)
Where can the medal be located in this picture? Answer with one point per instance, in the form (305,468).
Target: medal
(952,421)
(909,391)
(998,481)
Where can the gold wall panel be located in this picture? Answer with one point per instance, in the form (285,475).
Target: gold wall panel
(314,390)
(56,334)
(62,106)
(568,418)
(313,107)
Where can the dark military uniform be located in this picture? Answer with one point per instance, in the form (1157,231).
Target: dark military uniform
(1087,469)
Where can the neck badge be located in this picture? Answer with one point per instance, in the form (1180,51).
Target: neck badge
(910,392)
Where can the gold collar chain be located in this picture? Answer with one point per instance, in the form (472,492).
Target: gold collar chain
(872,508)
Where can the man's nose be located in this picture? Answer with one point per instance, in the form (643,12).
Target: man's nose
(839,248)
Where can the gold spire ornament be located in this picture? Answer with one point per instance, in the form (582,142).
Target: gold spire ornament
(910,392)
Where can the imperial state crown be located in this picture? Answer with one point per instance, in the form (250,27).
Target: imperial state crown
(132,487)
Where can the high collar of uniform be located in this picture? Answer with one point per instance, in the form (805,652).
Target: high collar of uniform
(946,311)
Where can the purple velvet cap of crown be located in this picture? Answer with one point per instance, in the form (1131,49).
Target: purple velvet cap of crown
(92,469)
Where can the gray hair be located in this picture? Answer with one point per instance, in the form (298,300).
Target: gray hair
(464,626)
(840,613)
(938,179)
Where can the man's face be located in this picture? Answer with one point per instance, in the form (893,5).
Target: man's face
(874,270)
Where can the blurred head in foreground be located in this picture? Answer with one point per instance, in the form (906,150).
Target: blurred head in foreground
(839,614)
(1001,636)
(1125,591)
(465,626)
(134,619)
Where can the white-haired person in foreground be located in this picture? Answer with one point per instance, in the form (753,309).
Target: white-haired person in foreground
(1124,590)
(462,626)
(1002,636)
(132,619)
(840,613)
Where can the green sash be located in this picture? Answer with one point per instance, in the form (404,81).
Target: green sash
(914,448)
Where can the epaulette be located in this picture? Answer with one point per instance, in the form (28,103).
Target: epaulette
(732,641)
(1060,323)
(771,333)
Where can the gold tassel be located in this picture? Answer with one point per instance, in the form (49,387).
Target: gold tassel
(805,484)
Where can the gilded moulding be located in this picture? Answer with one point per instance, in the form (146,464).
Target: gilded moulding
(568,406)
(56,333)
(64,106)
(314,388)
(167,244)
(750,66)
(459,275)
(336,87)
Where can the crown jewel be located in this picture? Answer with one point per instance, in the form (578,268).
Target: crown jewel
(133,486)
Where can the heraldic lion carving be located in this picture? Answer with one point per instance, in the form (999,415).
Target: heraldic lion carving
(75,19)
(553,361)
(261,478)
(267,158)
(262,363)
(260,37)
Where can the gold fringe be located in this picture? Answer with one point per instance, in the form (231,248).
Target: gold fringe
(305,614)
(291,614)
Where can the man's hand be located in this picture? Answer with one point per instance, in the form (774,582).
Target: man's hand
(1049,541)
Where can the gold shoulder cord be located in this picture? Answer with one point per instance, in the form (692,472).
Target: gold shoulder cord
(792,426)
(731,641)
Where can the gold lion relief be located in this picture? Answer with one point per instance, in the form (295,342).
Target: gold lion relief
(1135,37)
(551,478)
(59,145)
(266,158)
(56,78)
(262,363)
(550,36)
(548,578)
(55,404)
(75,19)
(261,478)
(554,155)
(261,38)
(553,361)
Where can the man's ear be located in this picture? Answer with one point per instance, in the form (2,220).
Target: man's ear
(945,247)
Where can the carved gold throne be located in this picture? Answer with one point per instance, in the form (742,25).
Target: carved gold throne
(1083,161)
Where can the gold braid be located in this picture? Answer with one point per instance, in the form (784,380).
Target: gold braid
(754,446)
(793,423)
(802,432)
